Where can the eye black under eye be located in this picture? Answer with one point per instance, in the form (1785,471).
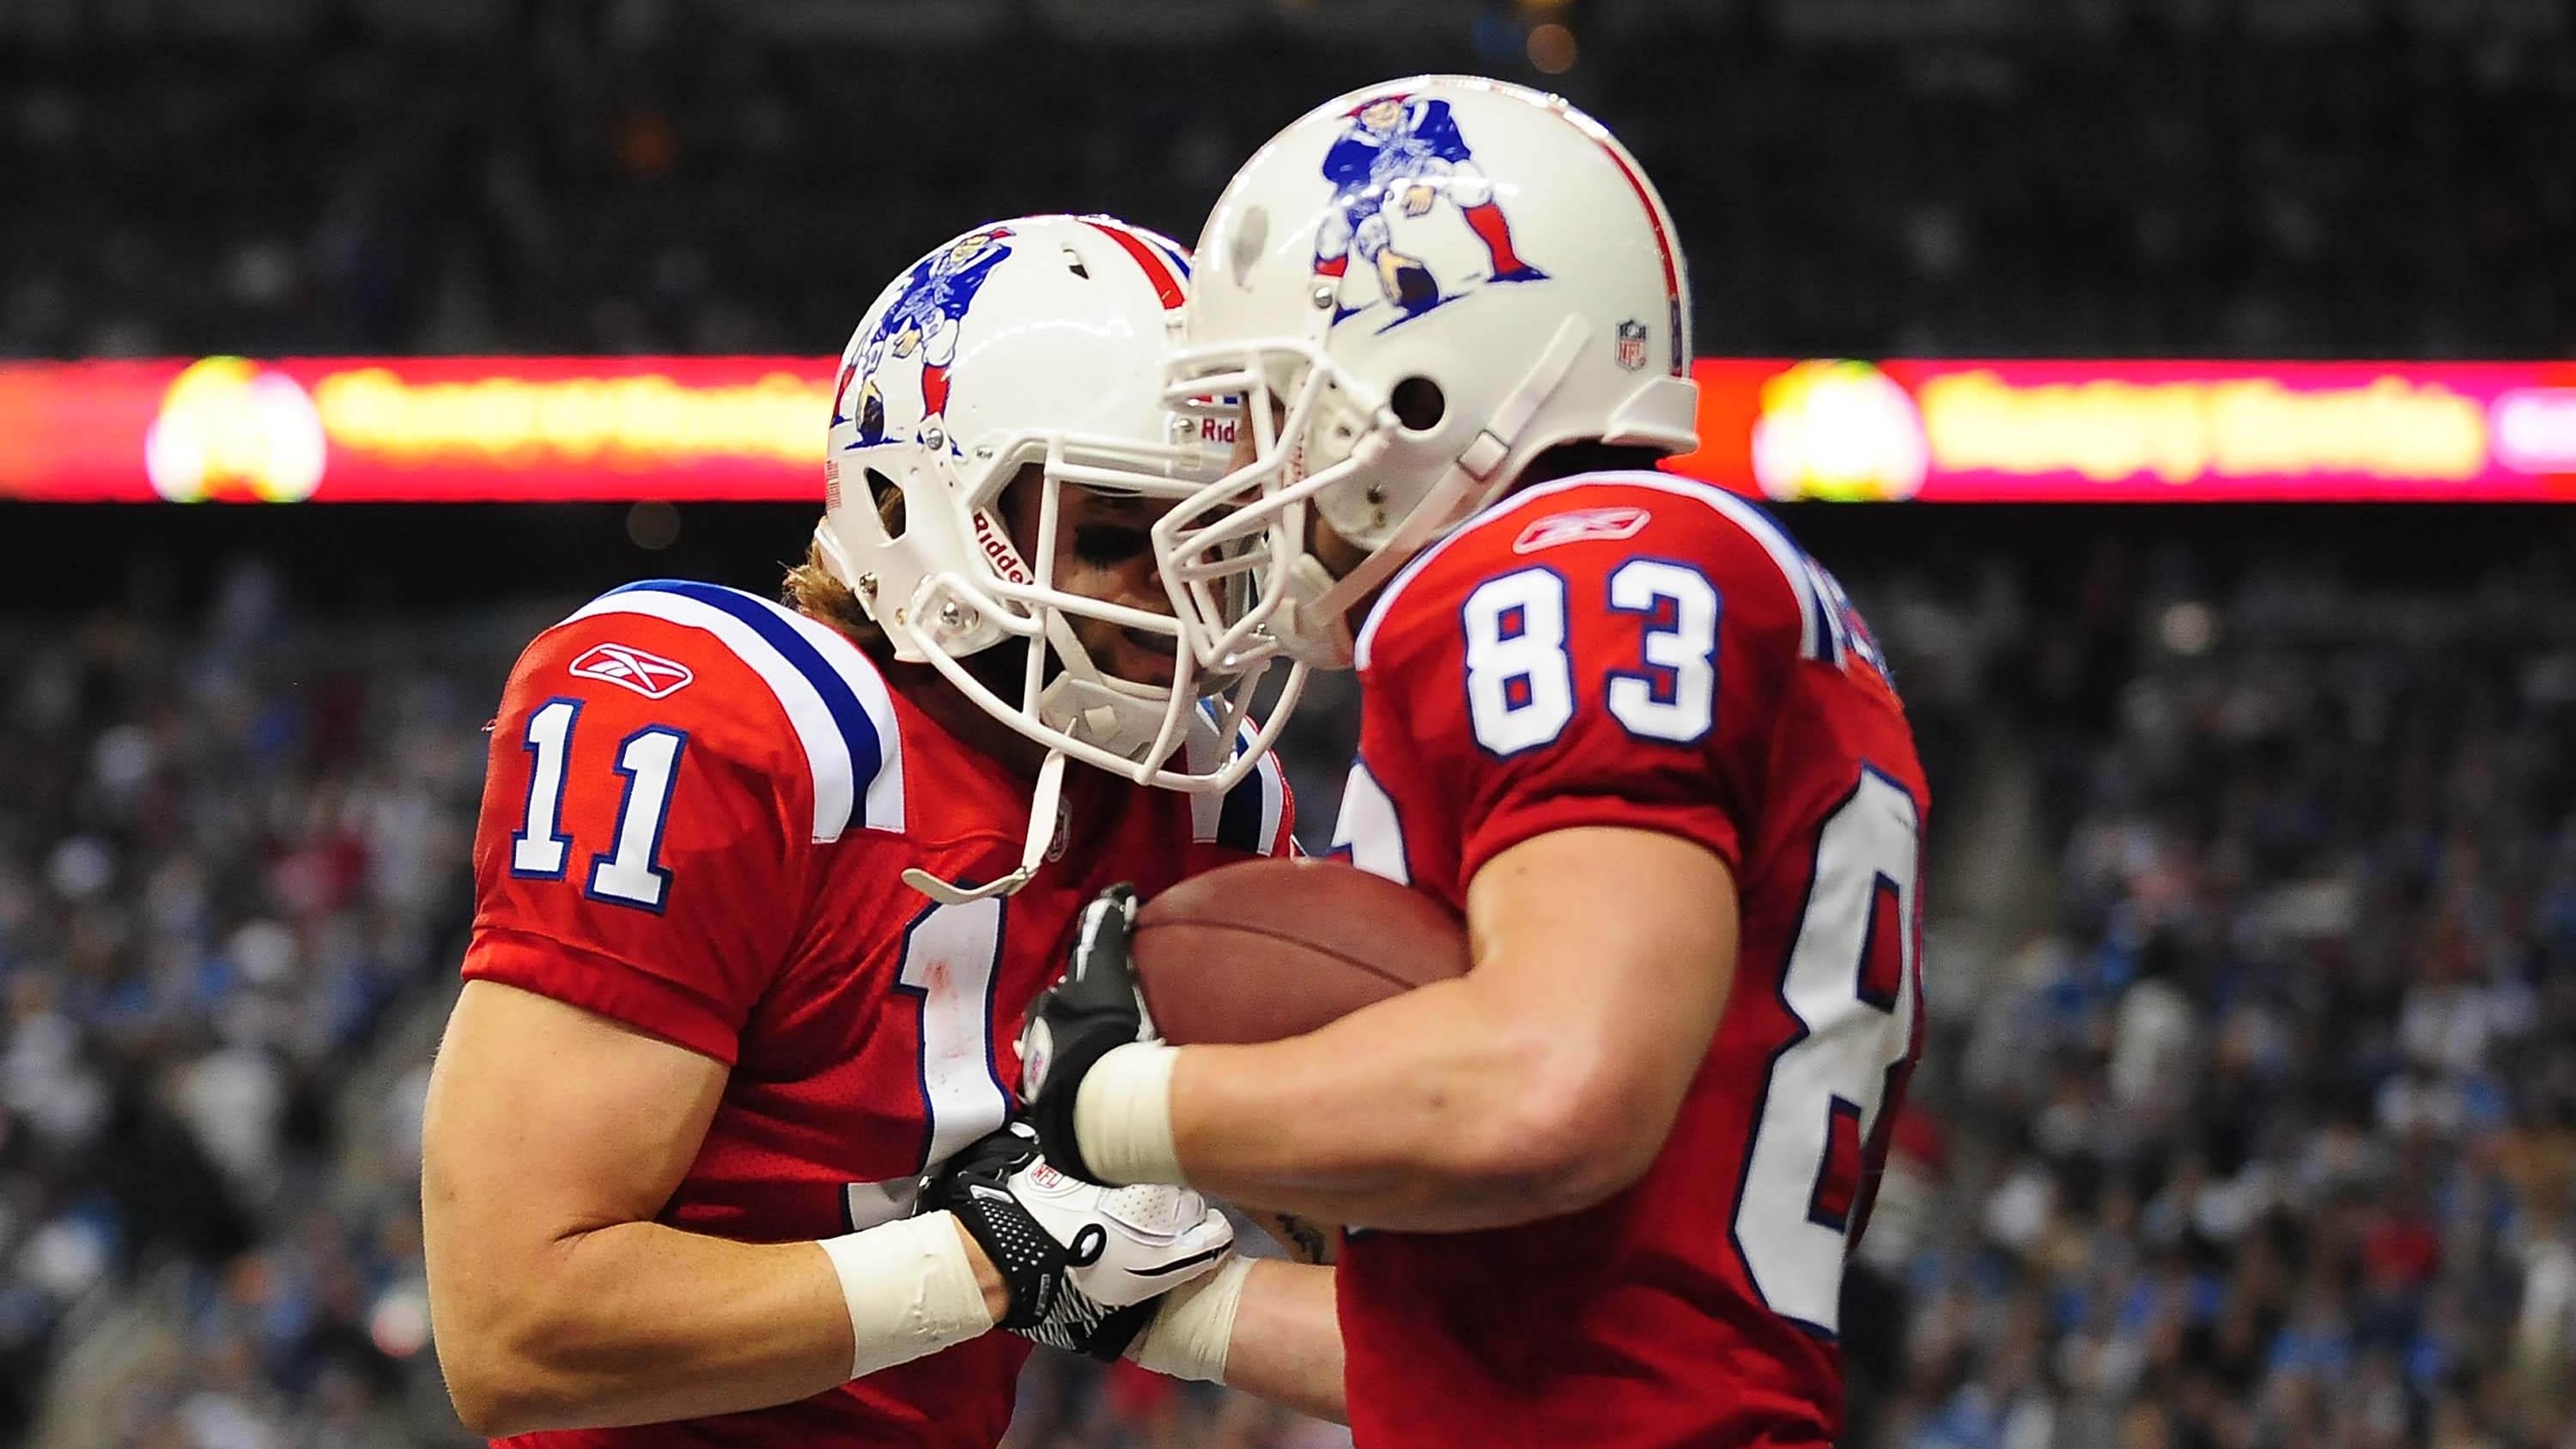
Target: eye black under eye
(1108,543)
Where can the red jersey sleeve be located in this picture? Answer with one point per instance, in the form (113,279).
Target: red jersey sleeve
(1591,653)
(640,851)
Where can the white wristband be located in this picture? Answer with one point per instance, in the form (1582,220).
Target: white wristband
(1193,1330)
(910,1290)
(1123,1115)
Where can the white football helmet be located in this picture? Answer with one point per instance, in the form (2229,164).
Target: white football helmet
(1416,289)
(1034,341)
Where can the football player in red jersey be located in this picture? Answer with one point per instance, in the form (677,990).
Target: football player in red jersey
(763,891)
(1626,729)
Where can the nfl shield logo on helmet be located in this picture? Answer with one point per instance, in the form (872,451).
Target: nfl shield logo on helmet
(1632,345)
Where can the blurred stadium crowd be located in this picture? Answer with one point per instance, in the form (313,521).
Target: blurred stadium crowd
(2202,177)
(227,852)
(2249,1120)
(2268,1133)
(2246,1121)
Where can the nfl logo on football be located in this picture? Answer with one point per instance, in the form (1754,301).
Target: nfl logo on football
(1632,345)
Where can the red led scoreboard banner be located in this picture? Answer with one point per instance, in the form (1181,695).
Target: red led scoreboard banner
(2088,432)
(415,429)
(487,429)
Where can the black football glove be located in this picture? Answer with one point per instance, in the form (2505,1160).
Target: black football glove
(1092,1010)
(1083,1263)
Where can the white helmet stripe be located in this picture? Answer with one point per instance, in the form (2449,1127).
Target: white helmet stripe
(1157,267)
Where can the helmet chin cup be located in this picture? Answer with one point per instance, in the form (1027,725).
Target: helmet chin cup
(1098,709)
(1105,713)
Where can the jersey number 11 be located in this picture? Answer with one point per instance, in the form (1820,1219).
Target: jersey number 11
(630,872)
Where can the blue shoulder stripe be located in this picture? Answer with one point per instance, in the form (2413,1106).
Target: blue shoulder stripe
(841,712)
(867,752)
(1238,824)
(1248,817)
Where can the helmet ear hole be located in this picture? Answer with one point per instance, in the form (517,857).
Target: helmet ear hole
(889,502)
(1419,404)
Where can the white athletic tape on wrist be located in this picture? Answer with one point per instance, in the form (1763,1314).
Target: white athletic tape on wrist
(910,1290)
(1193,1330)
(1123,1115)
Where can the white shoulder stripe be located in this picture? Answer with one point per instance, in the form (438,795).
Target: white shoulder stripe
(843,717)
(1815,635)
(883,809)
(1274,799)
(1202,749)
(1247,817)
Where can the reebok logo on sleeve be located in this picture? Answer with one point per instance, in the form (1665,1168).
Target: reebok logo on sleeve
(1580,524)
(649,675)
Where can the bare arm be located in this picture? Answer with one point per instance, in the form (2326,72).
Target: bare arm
(552,1138)
(1542,1082)
(1268,1328)
(1288,1340)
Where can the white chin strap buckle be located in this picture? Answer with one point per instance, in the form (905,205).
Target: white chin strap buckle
(1483,454)
(1319,632)
(1033,850)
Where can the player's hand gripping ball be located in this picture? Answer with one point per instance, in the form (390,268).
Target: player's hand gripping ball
(1255,952)
(1091,1011)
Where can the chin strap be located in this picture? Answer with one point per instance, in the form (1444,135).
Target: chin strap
(1319,631)
(1323,605)
(1082,698)
(1042,823)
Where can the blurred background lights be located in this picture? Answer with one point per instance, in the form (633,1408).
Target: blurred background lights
(1552,49)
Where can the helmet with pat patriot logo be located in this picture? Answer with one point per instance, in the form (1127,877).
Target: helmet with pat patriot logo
(1032,343)
(1417,288)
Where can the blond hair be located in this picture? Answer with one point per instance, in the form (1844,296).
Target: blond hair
(813,590)
(816,592)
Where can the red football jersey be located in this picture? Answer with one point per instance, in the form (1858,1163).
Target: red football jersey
(1636,650)
(696,817)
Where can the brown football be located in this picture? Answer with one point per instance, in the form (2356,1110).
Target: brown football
(1269,949)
